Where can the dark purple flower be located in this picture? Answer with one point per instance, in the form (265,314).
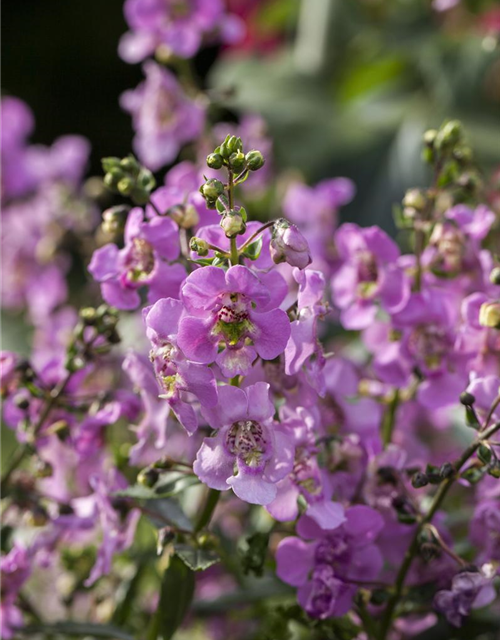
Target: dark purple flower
(469,590)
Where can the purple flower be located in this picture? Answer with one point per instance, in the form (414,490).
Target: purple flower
(422,337)
(485,391)
(303,348)
(177,25)
(164,117)
(480,343)
(469,590)
(97,513)
(485,529)
(368,273)
(178,379)
(314,209)
(230,309)
(142,262)
(455,243)
(247,441)
(15,569)
(326,567)
(289,245)
(152,431)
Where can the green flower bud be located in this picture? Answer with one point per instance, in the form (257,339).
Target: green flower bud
(467,399)
(484,453)
(185,215)
(495,276)
(88,315)
(130,165)
(215,161)
(114,219)
(449,135)
(125,186)
(255,160)
(415,199)
(146,180)
(489,315)
(430,137)
(199,246)
(113,177)
(212,189)
(148,477)
(233,224)
(231,145)
(108,164)
(237,161)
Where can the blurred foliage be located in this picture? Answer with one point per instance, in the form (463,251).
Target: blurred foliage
(357,83)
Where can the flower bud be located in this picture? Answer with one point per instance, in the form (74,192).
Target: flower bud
(231,145)
(199,246)
(237,161)
(484,453)
(130,165)
(185,215)
(108,164)
(255,160)
(415,199)
(114,219)
(215,161)
(489,315)
(449,134)
(430,137)
(233,224)
(125,186)
(289,245)
(212,189)
(113,177)
(495,276)
(446,470)
(88,315)
(419,480)
(467,399)
(148,477)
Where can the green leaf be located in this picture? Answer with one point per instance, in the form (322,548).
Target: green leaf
(253,250)
(176,594)
(174,483)
(166,511)
(168,485)
(204,262)
(196,559)
(76,629)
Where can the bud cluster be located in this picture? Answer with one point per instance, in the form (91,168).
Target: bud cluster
(129,178)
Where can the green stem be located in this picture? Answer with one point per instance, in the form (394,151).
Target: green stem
(230,192)
(257,233)
(208,510)
(25,449)
(390,419)
(439,496)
